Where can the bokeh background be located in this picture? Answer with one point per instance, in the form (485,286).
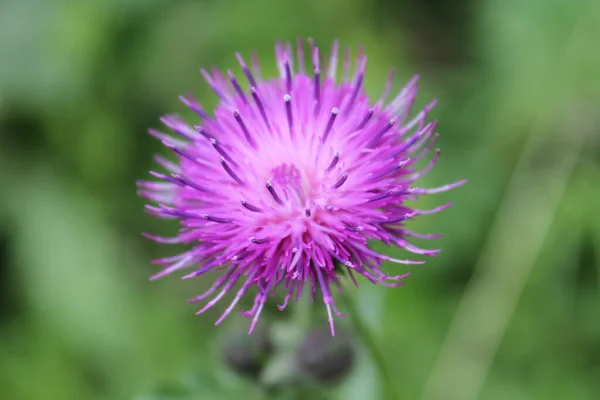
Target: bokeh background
(510,309)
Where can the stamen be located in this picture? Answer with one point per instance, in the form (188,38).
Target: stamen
(240,256)
(427,130)
(218,283)
(382,132)
(271,190)
(236,86)
(336,158)
(353,228)
(334,112)
(414,249)
(430,164)
(221,151)
(288,110)
(191,184)
(183,263)
(162,177)
(397,219)
(213,85)
(288,295)
(404,96)
(228,169)
(237,298)
(251,207)
(161,239)
(289,53)
(180,152)
(255,319)
(203,132)
(279,57)
(191,103)
(259,104)
(179,127)
(380,196)
(421,117)
(341,181)
(317,79)
(259,241)
(357,86)
(242,125)
(327,299)
(365,119)
(425,139)
(288,73)
(246,69)
(216,219)
(440,189)
(213,301)
(164,138)
(173,212)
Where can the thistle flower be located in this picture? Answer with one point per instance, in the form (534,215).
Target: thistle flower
(284,185)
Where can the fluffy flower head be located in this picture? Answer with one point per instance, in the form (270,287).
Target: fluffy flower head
(287,181)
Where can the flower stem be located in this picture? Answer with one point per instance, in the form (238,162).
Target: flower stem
(362,331)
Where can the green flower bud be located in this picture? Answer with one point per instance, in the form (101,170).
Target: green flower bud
(324,358)
(247,354)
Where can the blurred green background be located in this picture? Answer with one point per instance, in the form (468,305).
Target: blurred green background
(510,309)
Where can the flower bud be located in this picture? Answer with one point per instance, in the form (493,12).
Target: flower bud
(247,354)
(324,358)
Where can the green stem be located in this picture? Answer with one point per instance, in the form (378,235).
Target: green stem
(362,330)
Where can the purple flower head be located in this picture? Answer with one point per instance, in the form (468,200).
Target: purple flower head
(286,182)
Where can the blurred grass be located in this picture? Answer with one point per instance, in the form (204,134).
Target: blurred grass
(81,81)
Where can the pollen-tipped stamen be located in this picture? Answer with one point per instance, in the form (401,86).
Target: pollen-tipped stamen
(316,80)
(334,113)
(366,119)
(221,151)
(380,134)
(288,112)
(357,86)
(273,193)
(245,69)
(251,207)
(237,87)
(339,183)
(288,74)
(218,220)
(260,106)
(334,161)
(230,172)
(240,121)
